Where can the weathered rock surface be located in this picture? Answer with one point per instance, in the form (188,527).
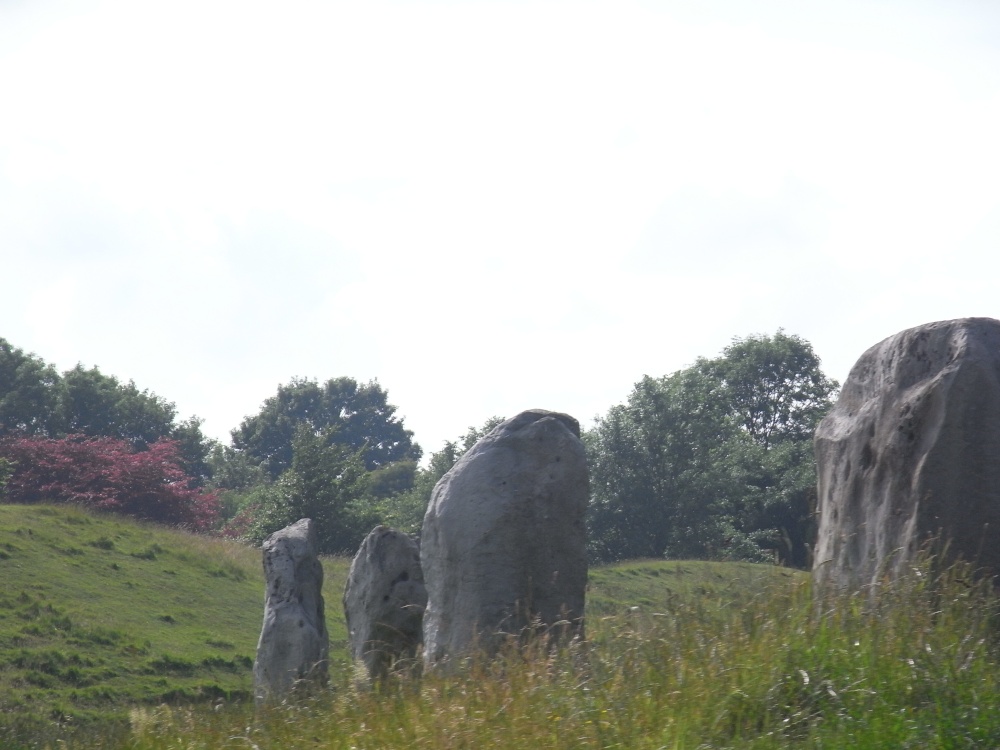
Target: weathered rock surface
(384,601)
(293,644)
(911,451)
(503,543)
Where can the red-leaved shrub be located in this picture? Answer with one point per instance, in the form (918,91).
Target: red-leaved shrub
(107,474)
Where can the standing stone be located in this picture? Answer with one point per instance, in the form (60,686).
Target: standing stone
(912,451)
(384,601)
(503,544)
(293,644)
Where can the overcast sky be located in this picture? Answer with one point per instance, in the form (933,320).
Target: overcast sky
(487,206)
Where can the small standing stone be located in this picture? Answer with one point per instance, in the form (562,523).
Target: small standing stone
(503,545)
(384,601)
(294,644)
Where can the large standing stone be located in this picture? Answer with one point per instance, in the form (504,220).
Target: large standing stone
(503,543)
(293,644)
(912,450)
(384,601)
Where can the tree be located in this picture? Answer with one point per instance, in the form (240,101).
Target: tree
(309,441)
(232,470)
(194,449)
(37,400)
(391,480)
(774,386)
(712,461)
(356,416)
(30,393)
(6,469)
(662,471)
(778,393)
(98,404)
(324,483)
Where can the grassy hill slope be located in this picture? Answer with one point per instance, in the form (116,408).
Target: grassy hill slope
(100,613)
(104,619)
(97,612)
(659,585)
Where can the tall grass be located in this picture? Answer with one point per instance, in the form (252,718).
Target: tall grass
(912,664)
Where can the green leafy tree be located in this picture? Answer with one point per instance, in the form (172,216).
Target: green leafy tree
(355,416)
(194,448)
(774,386)
(713,461)
(90,402)
(233,470)
(391,480)
(663,471)
(324,483)
(778,393)
(6,470)
(236,478)
(30,394)
(97,404)
(35,400)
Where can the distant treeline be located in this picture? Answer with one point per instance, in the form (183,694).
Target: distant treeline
(714,461)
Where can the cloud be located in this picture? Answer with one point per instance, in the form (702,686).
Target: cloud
(487,206)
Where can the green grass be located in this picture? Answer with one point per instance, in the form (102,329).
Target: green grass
(678,655)
(98,613)
(655,585)
(912,666)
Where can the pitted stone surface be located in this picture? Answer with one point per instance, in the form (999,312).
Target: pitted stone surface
(384,601)
(293,643)
(503,543)
(910,451)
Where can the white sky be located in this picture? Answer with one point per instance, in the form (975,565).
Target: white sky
(487,206)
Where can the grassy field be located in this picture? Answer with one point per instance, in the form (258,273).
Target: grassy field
(118,635)
(98,613)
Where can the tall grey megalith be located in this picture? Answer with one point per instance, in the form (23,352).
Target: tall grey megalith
(910,452)
(503,544)
(294,645)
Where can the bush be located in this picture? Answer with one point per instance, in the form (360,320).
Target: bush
(107,474)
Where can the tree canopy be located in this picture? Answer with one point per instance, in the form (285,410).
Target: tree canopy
(349,414)
(37,400)
(774,385)
(98,404)
(712,461)
(30,393)
(326,482)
